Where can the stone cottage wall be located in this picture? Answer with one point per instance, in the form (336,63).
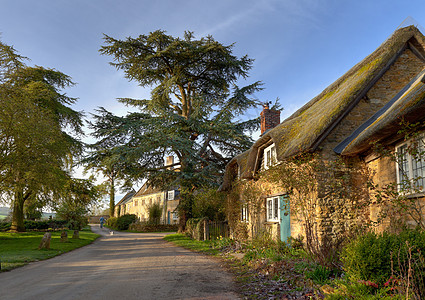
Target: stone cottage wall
(337,214)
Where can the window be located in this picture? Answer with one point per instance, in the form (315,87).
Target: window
(175,215)
(269,156)
(411,165)
(272,209)
(244,213)
(170,195)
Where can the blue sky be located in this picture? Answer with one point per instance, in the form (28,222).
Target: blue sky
(299,46)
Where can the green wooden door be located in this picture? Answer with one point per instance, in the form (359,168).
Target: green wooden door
(285,221)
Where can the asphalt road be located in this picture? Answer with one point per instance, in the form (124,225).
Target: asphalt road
(121,266)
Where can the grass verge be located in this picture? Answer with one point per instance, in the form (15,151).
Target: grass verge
(194,245)
(18,249)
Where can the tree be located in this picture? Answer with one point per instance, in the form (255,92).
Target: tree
(194,113)
(36,144)
(107,163)
(75,200)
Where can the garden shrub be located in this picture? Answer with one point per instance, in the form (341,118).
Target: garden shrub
(155,213)
(112,222)
(145,227)
(375,257)
(124,221)
(4,226)
(36,225)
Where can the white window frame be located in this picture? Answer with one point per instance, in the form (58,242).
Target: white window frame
(408,168)
(244,213)
(175,215)
(171,195)
(273,209)
(269,156)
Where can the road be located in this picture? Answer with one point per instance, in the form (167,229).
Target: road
(121,266)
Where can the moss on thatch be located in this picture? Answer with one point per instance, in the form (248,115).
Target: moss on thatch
(408,106)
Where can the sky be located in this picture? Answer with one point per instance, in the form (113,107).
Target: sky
(299,46)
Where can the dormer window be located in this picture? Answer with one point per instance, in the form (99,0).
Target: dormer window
(269,156)
(411,166)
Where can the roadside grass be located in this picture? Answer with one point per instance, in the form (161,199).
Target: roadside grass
(18,249)
(261,272)
(194,245)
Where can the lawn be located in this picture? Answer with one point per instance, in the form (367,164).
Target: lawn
(194,245)
(18,249)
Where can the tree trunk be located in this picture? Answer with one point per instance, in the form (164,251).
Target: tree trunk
(18,213)
(112,199)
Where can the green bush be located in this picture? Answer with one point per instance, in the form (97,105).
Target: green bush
(112,222)
(155,213)
(36,225)
(375,257)
(124,221)
(320,274)
(4,226)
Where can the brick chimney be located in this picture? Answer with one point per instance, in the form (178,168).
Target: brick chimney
(269,118)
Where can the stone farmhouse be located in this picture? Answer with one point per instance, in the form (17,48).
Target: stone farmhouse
(338,127)
(138,203)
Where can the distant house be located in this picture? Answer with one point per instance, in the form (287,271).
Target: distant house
(146,196)
(120,207)
(365,105)
(138,203)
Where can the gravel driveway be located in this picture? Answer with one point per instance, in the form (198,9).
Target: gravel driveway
(121,266)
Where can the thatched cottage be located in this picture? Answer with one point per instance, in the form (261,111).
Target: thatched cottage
(337,128)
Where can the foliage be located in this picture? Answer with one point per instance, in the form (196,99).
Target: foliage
(31,225)
(347,289)
(209,204)
(376,257)
(76,216)
(124,221)
(107,163)
(36,123)
(18,249)
(112,222)
(75,200)
(193,113)
(155,213)
(320,274)
(144,227)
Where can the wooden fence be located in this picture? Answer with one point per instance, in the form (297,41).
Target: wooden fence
(213,230)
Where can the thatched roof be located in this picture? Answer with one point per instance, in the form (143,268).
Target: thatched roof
(408,105)
(304,130)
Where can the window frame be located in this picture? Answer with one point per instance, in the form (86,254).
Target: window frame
(406,160)
(245,212)
(173,193)
(269,156)
(273,209)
